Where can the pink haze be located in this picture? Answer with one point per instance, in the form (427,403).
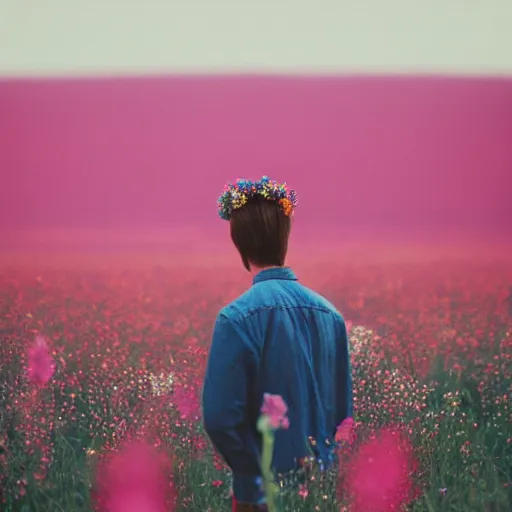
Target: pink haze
(403,156)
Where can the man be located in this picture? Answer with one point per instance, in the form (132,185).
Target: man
(279,337)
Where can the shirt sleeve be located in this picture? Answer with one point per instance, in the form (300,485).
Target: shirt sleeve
(230,370)
(344,399)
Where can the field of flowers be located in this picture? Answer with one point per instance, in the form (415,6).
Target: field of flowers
(127,345)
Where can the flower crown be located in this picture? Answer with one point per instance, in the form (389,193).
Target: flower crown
(235,196)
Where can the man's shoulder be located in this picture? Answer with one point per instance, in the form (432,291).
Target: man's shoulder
(240,307)
(319,301)
(262,296)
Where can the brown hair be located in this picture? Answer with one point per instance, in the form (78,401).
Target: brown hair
(260,231)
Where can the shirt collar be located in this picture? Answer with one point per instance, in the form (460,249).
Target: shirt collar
(285,273)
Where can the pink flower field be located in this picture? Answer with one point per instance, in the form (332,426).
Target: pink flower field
(102,360)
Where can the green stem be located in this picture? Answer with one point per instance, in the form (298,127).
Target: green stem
(266,466)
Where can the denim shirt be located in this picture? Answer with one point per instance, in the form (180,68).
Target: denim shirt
(282,338)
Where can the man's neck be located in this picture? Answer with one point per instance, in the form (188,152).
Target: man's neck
(256,270)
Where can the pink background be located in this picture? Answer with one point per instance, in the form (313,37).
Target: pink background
(388,156)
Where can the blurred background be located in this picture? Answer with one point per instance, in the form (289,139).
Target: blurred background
(120,122)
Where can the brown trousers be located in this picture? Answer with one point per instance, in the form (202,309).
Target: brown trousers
(248,507)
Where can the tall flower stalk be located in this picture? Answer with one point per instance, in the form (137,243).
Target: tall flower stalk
(273,417)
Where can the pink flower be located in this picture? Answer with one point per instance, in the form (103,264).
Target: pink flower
(130,501)
(303,491)
(379,476)
(344,432)
(186,400)
(134,479)
(275,409)
(41,365)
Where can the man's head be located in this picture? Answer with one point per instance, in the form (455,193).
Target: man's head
(259,214)
(260,231)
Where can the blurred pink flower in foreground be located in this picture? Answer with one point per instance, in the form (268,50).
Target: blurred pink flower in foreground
(136,479)
(41,365)
(379,477)
(186,400)
(275,409)
(345,431)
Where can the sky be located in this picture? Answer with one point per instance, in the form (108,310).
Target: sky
(373,154)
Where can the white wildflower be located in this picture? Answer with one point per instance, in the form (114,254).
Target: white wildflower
(161,384)
(360,338)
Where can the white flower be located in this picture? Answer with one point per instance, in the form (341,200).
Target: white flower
(359,338)
(161,384)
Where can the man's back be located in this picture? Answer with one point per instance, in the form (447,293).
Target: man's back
(294,344)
